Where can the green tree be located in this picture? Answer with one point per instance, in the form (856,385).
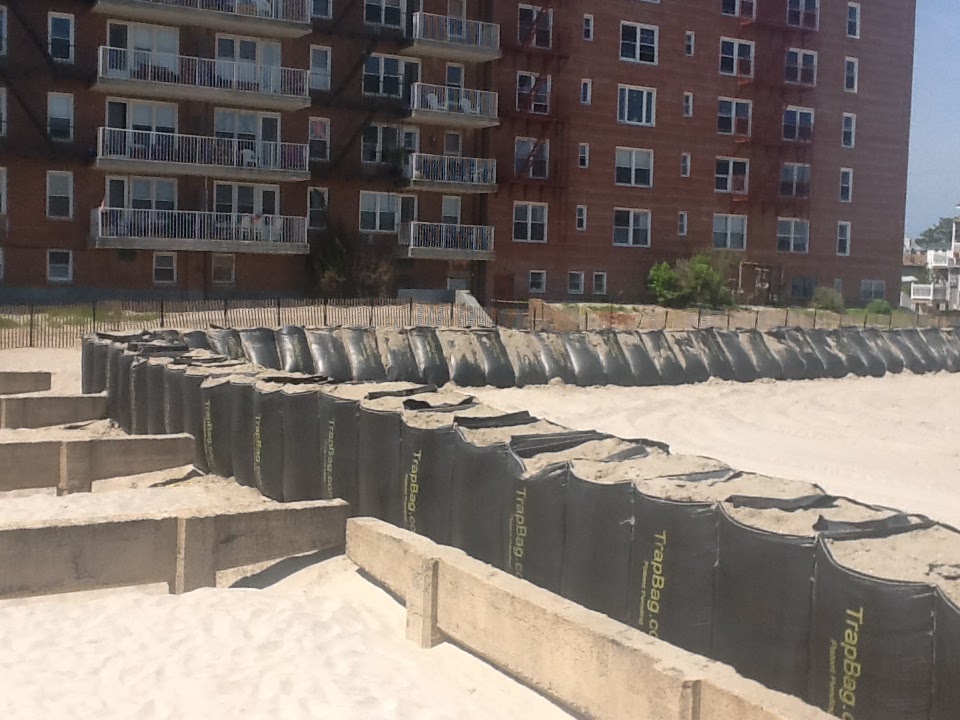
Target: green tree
(665,284)
(701,280)
(937,237)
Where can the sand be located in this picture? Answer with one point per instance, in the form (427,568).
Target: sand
(657,464)
(63,363)
(492,436)
(72,431)
(521,346)
(593,450)
(358,391)
(712,491)
(800,522)
(888,441)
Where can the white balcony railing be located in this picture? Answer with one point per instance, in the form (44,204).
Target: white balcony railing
(454,31)
(445,237)
(444,169)
(284,10)
(137,145)
(936,291)
(195,72)
(479,104)
(940,259)
(198,226)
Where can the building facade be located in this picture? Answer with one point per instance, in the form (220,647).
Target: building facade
(256,147)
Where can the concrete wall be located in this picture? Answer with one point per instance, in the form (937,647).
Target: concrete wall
(16,381)
(582,659)
(33,411)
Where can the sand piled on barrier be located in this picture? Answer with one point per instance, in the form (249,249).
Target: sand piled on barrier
(657,464)
(73,431)
(522,347)
(713,491)
(460,344)
(801,522)
(494,435)
(427,419)
(931,555)
(358,391)
(392,339)
(592,450)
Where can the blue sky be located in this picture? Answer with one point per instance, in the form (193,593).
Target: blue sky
(933,185)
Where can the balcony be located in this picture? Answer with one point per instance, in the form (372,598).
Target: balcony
(148,74)
(928,293)
(453,38)
(261,18)
(453,107)
(199,231)
(439,241)
(136,151)
(447,173)
(940,259)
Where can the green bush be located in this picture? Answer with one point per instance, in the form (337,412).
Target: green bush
(701,280)
(825,298)
(664,282)
(879,307)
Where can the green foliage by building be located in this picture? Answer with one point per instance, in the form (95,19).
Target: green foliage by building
(825,298)
(702,281)
(879,307)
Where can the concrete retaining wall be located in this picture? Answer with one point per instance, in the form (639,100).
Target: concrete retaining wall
(584,660)
(24,381)
(34,411)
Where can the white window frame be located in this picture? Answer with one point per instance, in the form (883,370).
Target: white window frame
(220,257)
(4,23)
(800,23)
(874,285)
(690,43)
(852,117)
(739,7)
(735,103)
(648,105)
(318,79)
(855,8)
(794,235)
(529,222)
(581,218)
(855,63)
(737,43)
(636,58)
(801,112)
(73,31)
(686,160)
(543,284)
(846,174)
(383,5)
(583,155)
(795,185)
(538,102)
(60,173)
(728,175)
(318,122)
(326,205)
(728,232)
(845,234)
(682,220)
(570,276)
(633,226)
(536,17)
(801,53)
(635,154)
(156,256)
(603,284)
(586,91)
(589,27)
(70,118)
(403,134)
(322,17)
(70,266)
(688,104)
(3,191)
(382,201)
(544,150)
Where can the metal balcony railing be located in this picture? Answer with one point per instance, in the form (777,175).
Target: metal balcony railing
(285,10)
(454,31)
(927,292)
(161,147)
(151,66)
(447,237)
(450,169)
(940,259)
(481,104)
(198,226)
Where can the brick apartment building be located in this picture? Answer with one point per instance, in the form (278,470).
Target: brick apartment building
(209,147)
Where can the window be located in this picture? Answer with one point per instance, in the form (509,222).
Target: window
(738,8)
(533,93)
(450,209)
(599,283)
(688,104)
(378,212)
(849,136)
(634,167)
(223,269)
(3,29)
(158,194)
(730,232)
(164,268)
(408,208)
(684,164)
(321,8)
(575,282)
(802,288)
(59,266)
(732,175)
(803,13)
(586,91)
(3,192)
(638,43)
(387,143)
(801,67)
(853,20)
(60,116)
(386,75)
(535,27)
(383,12)
(637,105)
(60,195)
(3,111)
(734,116)
(690,43)
(793,235)
(682,223)
(631,228)
(872,290)
(320,68)
(584,155)
(843,238)
(529,222)
(851,74)
(453,144)
(736,57)
(795,180)
(581,217)
(316,208)
(319,139)
(798,124)
(846,185)
(588,27)
(60,37)
(531,158)
(537,281)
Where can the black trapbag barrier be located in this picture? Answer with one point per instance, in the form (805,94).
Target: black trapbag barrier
(586,363)
(196,340)
(694,367)
(173,378)
(363,357)
(911,358)
(329,357)
(87,365)
(598,522)
(642,367)
(673,566)
(397,355)
(192,407)
(930,360)
(268,439)
(766,364)
(113,379)
(946,689)
(616,366)
(951,342)
(763,591)
(378,458)
(851,340)
(294,350)
(139,397)
(797,339)
(669,367)
(480,490)
(554,357)
(338,424)
(833,363)
(124,396)
(428,353)
(497,368)
(527,363)
(156,400)
(426,471)
(871,649)
(226,342)
(101,365)
(463,357)
(744,368)
(841,345)
(948,357)
(242,430)
(217,395)
(791,364)
(301,444)
(881,345)
(714,356)
(260,347)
